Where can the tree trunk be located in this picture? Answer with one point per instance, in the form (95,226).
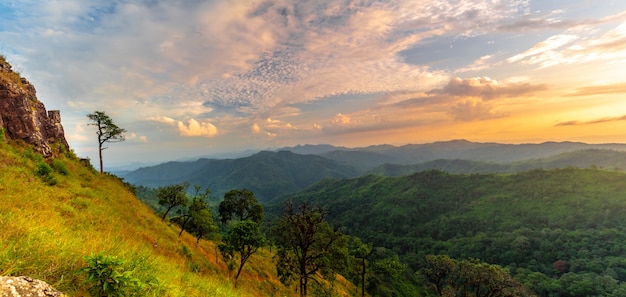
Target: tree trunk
(363,278)
(167,211)
(304,285)
(100,151)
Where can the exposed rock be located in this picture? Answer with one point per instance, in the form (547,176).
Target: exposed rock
(24,286)
(23,116)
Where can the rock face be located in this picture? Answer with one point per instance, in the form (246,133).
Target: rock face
(24,286)
(23,116)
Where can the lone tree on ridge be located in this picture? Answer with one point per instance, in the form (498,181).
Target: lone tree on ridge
(107,131)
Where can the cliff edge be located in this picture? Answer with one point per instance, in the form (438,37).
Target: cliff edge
(23,116)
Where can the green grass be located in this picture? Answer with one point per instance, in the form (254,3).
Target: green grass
(47,230)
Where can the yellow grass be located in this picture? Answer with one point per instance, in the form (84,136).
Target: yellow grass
(46,231)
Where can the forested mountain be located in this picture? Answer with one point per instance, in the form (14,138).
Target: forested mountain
(369,157)
(562,231)
(271,174)
(600,158)
(267,174)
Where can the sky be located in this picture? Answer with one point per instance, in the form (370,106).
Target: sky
(192,78)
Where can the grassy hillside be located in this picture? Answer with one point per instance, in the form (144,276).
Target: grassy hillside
(51,219)
(528,222)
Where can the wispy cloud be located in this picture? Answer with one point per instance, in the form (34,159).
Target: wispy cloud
(619,88)
(248,71)
(574,47)
(486,88)
(591,122)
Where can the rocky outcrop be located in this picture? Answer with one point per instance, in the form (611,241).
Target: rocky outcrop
(23,116)
(24,286)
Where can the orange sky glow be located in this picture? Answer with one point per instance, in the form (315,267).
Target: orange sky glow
(192,78)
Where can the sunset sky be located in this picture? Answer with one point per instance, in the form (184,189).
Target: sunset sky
(191,78)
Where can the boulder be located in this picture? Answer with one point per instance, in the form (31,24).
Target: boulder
(24,286)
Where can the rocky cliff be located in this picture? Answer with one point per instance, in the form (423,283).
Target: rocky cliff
(23,116)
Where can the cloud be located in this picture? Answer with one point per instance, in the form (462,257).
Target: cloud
(479,64)
(256,128)
(486,88)
(473,110)
(545,48)
(579,45)
(195,128)
(137,138)
(465,99)
(618,88)
(342,119)
(596,121)
(165,120)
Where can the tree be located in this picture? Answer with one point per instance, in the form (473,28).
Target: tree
(244,238)
(198,201)
(470,278)
(361,251)
(172,196)
(107,131)
(306,244)
(201,221)
(241,205)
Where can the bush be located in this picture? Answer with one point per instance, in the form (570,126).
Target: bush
(30,154)
(106,276)
(43,169)
(59,166)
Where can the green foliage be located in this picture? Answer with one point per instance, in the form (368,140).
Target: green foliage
(244,238)
(30,154)
(45,172)
(43,169)
(172,196)
(1,134)
(106,276)
(526,221)
(470,278)
(266,174)
(60,167)
(307,245)
(201,219)
(241,205)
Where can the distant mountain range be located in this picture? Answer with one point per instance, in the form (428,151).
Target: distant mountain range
(266,174)
(291,169)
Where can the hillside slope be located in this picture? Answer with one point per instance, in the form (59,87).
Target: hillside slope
(50,221)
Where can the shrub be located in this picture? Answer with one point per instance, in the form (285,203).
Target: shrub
(59,166)
(43,169)
(106,276)
(30,154)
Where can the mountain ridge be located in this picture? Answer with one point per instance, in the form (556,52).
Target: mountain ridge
(268,176)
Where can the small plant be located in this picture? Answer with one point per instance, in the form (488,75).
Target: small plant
(107,277)
(1,135)
(43,169)
(30,154)
(59,166)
